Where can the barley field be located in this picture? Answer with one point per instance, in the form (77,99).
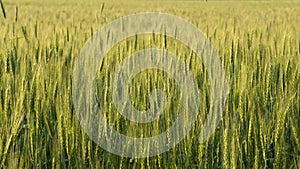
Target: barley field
(259,47)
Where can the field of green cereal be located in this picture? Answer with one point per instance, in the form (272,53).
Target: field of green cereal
(259,46)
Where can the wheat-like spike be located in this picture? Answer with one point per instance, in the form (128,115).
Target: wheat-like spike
(295,134)
(6,145)
(256,158)
(233,156)
(201,153)
(226,162)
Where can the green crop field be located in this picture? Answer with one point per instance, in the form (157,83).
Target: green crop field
(258,43)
